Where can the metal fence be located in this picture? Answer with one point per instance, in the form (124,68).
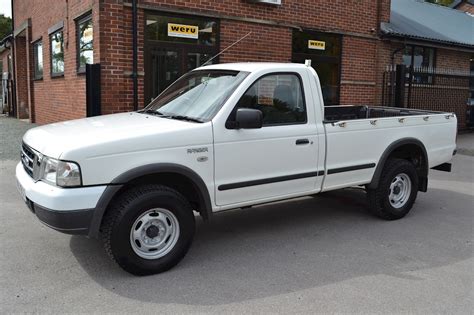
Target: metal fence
(428,89)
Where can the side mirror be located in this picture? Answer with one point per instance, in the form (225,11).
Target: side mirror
(248,118)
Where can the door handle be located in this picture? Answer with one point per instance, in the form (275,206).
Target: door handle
(302,141)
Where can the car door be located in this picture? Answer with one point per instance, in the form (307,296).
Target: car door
(280,159)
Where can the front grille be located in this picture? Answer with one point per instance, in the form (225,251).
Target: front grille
(28,159)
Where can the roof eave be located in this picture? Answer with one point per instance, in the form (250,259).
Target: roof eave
(385,35)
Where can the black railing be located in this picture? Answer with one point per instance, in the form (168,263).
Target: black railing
(428,89)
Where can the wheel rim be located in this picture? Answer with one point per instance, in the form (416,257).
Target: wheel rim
(154,233)
(400,190)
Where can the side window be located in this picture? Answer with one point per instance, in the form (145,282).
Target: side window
(279,97)
(57,53)
(38,58)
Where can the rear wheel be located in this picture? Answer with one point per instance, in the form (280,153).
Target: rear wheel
(397,190)
(148,229)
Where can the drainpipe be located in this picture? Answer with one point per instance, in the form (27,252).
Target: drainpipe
(135,55)
(13,108)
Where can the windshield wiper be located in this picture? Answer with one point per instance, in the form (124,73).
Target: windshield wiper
(182,117)
(151,112)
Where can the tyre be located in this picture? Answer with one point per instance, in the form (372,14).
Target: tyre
(396,192)
(148,229)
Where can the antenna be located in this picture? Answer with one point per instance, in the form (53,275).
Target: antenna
(222,51)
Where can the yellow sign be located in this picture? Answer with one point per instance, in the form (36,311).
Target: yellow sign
(184,31)
(316,44)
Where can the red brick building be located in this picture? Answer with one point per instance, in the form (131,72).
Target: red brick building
(54,40)
(464,5)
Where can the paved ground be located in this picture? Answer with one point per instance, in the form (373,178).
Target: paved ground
(318,255)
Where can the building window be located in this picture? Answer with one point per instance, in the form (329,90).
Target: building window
(325,52)
(57,53)
(174,29)
(85,36)
(279,97)
(38,57)
(419,59)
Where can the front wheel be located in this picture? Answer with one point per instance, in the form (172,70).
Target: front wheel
(396,193)
(148,229)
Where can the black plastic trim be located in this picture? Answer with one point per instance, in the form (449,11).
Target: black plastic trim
(350,168)
(75,222)
(150,169)
(445,167)
(269,180)
(100,208)
(386,154)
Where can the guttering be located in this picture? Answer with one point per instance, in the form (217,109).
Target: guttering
(135,55)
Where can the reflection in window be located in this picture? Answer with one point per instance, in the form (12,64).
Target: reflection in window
(85,38)
(38,59)
(57,53)
(419,59)
(279,97)
(157,30)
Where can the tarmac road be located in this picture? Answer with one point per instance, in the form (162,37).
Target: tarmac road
(318,255)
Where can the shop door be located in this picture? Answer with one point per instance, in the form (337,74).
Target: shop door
(324,51)
(168,56)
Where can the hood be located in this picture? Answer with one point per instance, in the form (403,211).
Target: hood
(112,134)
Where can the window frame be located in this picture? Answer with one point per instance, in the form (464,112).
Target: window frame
(56,74)
(231,117)
(35,59)
(429,78)
(80,20)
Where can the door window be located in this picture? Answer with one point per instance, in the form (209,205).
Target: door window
(279,97)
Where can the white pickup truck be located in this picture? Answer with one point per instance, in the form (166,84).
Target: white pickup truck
(222,137)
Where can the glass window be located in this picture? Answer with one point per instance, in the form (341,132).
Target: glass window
(198,95)
(57,53)
(279,97)
(324,51)
(38,57)
(332,43)
(419,59)
(181,30)
(85,36)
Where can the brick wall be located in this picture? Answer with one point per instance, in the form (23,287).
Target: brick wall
(62,98)
(447,93)
(358,72)
(269,43)
(359,16)
(452,59)
(466,7)
(53,99)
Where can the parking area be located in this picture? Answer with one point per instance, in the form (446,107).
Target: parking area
(311,255)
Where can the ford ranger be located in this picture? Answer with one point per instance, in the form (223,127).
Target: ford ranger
(222,137)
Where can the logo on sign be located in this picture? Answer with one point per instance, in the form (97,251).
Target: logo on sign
(184,31)
(316,44)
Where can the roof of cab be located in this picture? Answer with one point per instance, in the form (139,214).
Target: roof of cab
(252,66)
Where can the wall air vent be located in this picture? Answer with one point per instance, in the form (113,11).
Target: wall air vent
(274,2)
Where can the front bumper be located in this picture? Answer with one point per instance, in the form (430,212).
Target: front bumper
(68,210)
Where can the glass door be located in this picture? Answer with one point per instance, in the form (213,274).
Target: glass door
(164,68)
(324,51)
(175,45)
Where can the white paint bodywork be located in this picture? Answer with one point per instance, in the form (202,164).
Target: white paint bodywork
(108,146)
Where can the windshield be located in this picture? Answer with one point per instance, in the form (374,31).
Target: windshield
(196,96)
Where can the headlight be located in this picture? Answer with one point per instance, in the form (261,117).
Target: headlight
(60,173)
